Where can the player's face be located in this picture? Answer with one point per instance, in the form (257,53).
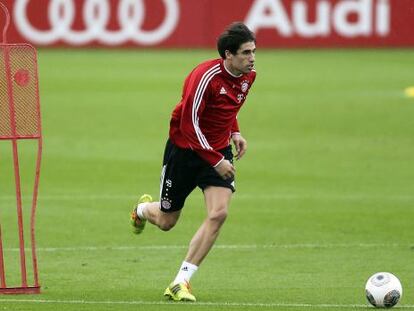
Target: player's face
(243,60)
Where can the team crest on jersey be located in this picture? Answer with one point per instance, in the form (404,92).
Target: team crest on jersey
(244,86)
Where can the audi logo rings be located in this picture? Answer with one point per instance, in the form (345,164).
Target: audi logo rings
(96,15)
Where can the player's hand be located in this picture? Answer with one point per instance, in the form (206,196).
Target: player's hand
(241,145)
(225,169)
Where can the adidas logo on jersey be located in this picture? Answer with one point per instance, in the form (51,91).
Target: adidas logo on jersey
(223,90)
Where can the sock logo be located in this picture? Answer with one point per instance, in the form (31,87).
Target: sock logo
(184,269)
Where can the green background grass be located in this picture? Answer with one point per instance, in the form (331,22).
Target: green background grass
(324,194)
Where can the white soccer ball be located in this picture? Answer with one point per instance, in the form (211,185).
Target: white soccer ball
(383,290)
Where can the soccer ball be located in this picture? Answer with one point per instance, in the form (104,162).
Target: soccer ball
(383,289)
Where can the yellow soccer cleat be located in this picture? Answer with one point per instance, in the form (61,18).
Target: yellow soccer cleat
(179,292)
(137,223)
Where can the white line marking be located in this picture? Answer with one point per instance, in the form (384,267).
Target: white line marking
(224,246)
(237,196)
(193,304)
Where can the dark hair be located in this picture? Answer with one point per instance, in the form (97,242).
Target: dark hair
(235,35)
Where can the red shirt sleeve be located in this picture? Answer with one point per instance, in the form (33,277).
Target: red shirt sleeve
(194,100)
(235,128)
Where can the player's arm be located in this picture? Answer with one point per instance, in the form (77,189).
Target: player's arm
(238,140)
(240,144)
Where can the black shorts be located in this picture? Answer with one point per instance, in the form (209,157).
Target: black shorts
(182,171)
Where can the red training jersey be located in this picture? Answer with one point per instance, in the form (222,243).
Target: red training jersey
(206,116)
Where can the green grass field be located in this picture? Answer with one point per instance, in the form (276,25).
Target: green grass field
(325,193)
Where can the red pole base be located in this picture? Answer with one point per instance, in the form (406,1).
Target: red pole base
(19,290)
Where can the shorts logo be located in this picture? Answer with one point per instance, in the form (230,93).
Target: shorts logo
(165,204)
(240,97)
(168,182)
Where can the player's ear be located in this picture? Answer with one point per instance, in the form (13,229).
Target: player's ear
(228,54)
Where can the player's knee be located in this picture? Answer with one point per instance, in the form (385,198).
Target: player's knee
(218,216)
(167,224)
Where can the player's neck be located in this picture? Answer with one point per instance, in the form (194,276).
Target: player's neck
(229,68)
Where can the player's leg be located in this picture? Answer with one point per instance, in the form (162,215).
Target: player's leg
(217,195)
(151,211)
(217,202)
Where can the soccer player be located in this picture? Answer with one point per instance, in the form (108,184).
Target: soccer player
(198,151)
